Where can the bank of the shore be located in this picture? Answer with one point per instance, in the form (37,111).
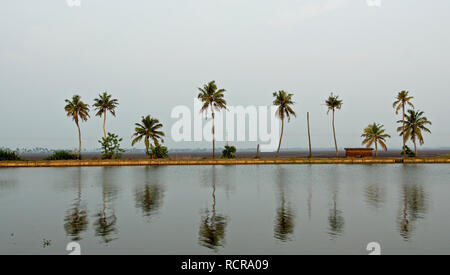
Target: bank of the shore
(165,162)
(286,154)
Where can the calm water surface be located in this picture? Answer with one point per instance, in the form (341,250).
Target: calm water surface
(284,209)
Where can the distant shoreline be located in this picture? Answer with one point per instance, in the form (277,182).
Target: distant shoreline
(184,162)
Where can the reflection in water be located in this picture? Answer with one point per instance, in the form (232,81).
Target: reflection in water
(414,207)
(6,184)
(76,219)
(309,181)
(105,224)
(213,225)
(375,195)
(335,217)
(284,221)
(149,197)
(414,200)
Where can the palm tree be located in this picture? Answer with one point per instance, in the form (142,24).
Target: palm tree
(77,109)
(284,102)
(213,99)
(400,102)
(413,126)
(334,103)
(374,134)
(148,129)
(102,105)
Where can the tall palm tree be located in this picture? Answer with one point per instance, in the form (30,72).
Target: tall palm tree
(102,105)
(413,126)
(213,99)
(374,134)
(284,102)
(77,109)
(148,129)
(400,103)
(334,103)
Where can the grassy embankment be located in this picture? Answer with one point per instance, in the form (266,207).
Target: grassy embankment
(156,162)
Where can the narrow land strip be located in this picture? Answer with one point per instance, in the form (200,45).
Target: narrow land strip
(166,162)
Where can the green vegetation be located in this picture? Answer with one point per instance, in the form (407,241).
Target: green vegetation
(333,103)
(77,109)
(148,129)
(228,152)
(62,155)
(408,152)
(413,126)
(158,152)
(8,155)
(374,134)
(213,99)
(284,102)
(46,242)
(102,105)
(111,147)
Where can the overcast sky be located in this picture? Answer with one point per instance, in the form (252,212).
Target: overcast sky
(152,56)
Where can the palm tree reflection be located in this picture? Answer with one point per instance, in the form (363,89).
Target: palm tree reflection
(7,184)
(212,225)
(284,221)
(414,207)
(106,220)
(375,195)
(76,219)
(335,218)
(149,197)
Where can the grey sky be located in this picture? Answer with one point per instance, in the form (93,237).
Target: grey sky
(152,56)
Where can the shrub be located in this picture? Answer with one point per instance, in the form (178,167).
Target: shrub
(158,152)
(111,147)
(408,152)
(6,154)
(228,152)
(62,155)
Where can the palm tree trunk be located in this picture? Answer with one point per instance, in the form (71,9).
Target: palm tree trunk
(309,136)
(376,149)
(334,136)
(281,137)
(79,139)
(415,148)
(403,132)
(147,144)
(213,134)
(104,125)
(257,151)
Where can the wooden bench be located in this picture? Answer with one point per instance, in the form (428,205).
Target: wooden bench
(358,152)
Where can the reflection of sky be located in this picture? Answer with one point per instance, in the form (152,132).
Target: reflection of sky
(152,55)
